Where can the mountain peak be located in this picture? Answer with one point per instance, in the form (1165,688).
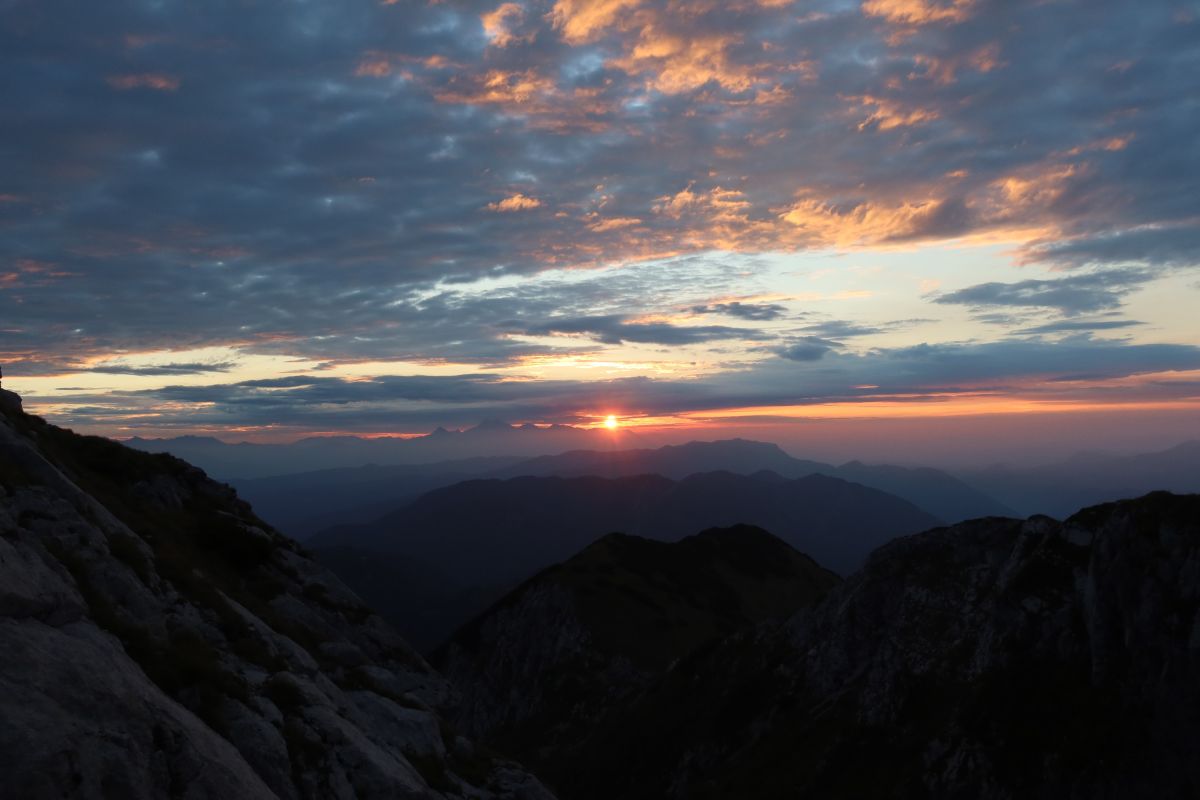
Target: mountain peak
(630,607)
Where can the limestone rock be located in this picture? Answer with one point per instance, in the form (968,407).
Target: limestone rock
(158,640)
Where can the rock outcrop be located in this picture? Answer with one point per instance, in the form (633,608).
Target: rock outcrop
(158,640)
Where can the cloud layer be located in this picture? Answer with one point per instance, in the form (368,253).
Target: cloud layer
(351,181)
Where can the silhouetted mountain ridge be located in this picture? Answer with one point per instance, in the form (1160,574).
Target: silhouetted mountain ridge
(304,503)
(488,534)
(513,527)
(245,460)
(937,492)
(540,667)
(1000,658)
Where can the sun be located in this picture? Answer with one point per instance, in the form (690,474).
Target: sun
(610,422)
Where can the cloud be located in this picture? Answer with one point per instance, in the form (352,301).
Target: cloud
(918,12)
(516,202)
(846,329)
(884,114)
(498,24)
(194,368)
(808,348)
(1082,326)
(616,329)
(1078,294)
(602,225)
(928,373)
(758,312)
(146,80)
(864,223)
(581,20)
(1155,245)
(322,180)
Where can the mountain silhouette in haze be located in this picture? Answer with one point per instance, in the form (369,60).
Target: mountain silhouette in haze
(489,535)
(1058,489)
(245,460)
(157,640)
(304,503)
(741,456)
(509,529)
(937,492)
(581,639)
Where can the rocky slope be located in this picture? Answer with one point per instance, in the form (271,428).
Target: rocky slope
(997,658)
(582,638)
(157,640)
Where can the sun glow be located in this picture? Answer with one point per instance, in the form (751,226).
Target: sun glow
(610,422)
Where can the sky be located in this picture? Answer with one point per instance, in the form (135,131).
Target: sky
(834,220)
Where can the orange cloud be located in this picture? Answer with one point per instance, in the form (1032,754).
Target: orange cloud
(531,95)
(933,405)
(582,20)
(501,88)
(381,63)
(866,223)
(944,70)
(517,202)
(675,64)
(718,205)
(612,224)
(1032,188)
(1112,144)
(918,12)
(374,66)
(497,24)
(888,114)
(145,80)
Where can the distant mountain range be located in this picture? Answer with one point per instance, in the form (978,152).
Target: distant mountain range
(362,478)
(301,504)
(307,502)
(942,495)
(507,529)
(1088,478)
(488,535)
(489,438)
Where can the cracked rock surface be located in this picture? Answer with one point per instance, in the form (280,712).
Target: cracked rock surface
(158,640)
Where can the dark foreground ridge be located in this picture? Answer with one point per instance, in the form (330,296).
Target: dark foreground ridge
(582,639)
(996,658)
(157,640)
